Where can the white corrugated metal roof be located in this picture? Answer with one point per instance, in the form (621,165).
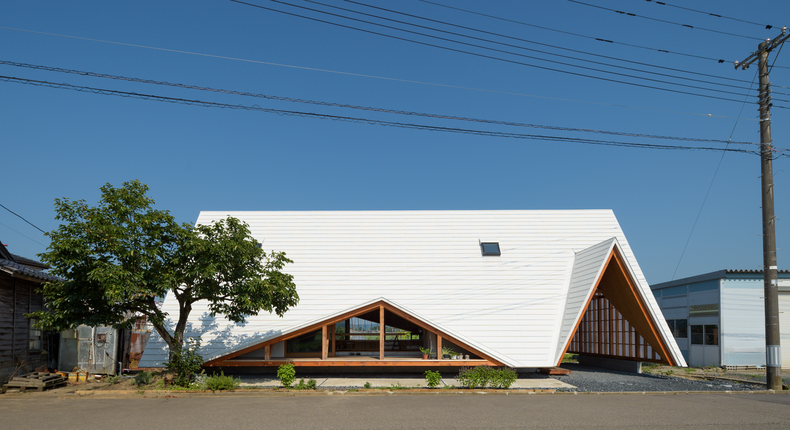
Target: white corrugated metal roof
(514,306)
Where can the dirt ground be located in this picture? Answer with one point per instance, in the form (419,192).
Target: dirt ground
(750,375)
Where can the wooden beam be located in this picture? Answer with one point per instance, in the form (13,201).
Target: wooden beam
(296,333)
(267,352)
(324,343)
(334,344)
(633,306)
(381,332)
(348,315)
(438,347)
(599,306)
(611,328)
(444,335)
(349,363)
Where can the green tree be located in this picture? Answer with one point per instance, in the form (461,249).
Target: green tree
(117,258)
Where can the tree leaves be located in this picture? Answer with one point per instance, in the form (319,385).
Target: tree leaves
(118,258)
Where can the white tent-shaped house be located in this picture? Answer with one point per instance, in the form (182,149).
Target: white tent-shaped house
(503,288)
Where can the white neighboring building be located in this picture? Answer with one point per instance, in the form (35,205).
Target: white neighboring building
(718,318)
(514,288)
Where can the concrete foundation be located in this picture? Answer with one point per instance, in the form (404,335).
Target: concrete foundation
(611,363)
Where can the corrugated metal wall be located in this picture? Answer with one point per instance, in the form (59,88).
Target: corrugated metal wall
(742,322)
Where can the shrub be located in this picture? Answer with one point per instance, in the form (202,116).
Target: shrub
(310,385)
(483,376)
(112,380)
(186,363)
(221,382)
(143,378)
(503,378)
(433,378)
(286,373)
(367,385)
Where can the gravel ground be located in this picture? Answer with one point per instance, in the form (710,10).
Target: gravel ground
(594,379)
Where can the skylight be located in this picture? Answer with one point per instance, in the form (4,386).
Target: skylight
(490,248)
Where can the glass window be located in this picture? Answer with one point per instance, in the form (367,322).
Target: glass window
(490,248)
(310,342)
(674,291)
(681,329)
(704,310)
(696,335)
(671,324)
(712,334)
(704,286)
(35,336)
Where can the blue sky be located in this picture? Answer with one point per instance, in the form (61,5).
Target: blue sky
(62,143)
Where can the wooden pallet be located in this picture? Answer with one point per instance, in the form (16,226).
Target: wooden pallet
(36,381)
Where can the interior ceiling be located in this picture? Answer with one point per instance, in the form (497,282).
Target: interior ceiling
(390,319)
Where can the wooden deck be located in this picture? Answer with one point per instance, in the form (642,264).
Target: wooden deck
(353,361)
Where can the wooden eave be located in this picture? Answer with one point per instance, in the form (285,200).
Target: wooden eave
(617,285)
(376,306)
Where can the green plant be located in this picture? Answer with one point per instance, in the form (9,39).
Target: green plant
(483,376)
(186,363)
(433,378)
(286,373)
(425,351)
(688,370)
(115,258)
(367,385)
(669,372)
(143,378)
(221,382)
(398,386)
(503,378)
(112,380)
(309,385)
(446,350)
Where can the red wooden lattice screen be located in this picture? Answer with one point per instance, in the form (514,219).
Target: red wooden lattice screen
(604,332)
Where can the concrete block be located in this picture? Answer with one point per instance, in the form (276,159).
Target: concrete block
(611,363)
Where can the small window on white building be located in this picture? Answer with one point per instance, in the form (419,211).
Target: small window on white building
(490,248)
(681,329)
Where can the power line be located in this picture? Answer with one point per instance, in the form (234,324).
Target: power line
(23,219)
(553,54)
(23,235)
(350,106)
(361,75)
(766,26)
(663,20)
(707,193)
(488,48)
(598,39)
(489,56)
(412,126)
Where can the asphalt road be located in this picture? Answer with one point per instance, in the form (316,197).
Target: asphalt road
(678,411)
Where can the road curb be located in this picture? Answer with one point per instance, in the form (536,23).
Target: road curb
(119,394)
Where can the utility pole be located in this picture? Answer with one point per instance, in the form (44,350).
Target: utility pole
(773,354)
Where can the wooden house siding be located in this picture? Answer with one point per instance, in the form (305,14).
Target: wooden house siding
(17,297)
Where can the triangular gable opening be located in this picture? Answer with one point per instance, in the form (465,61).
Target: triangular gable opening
(376,334)
(616,322)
